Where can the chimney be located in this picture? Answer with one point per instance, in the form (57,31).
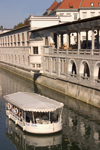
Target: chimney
(61,0)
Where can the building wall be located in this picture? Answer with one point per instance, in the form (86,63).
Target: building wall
(45,21)
(66,16)
(88,13)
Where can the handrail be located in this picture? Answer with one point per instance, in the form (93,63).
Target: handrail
(52,50)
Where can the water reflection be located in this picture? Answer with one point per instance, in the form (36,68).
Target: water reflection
(24,140)
(81,122)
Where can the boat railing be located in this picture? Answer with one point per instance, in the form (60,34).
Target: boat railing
(16,116)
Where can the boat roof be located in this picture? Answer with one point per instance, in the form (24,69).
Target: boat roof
(33,102)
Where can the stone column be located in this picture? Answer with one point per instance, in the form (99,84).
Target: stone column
(20,35)
(61,39)
(50,65)
(12,40)
(25,38)
(98,39)
(68,39)
(58,67)
(16,35)
(87,39)
(4,41)
(92,40)
(78,41)
(9,41)
(57,40)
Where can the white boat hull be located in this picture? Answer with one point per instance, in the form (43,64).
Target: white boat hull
(35,128)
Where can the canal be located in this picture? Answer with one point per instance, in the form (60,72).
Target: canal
(81,122)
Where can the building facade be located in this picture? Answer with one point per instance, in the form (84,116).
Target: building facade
(70,10)
(74,71)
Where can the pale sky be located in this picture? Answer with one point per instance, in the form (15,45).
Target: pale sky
(14,11)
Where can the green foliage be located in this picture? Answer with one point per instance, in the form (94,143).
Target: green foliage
(1,27)
(26,22)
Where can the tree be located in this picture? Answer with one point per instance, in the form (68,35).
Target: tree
(26,22)
(1,27)
(19,25)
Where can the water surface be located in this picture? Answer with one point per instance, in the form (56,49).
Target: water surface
(81,122)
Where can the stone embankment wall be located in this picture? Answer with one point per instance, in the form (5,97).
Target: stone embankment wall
(23,72)
(83,93)
(77,91)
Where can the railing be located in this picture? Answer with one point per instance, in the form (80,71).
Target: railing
(96,52)
(85,51)
(72,51)
(52,50)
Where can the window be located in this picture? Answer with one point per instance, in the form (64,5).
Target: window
(35,50)
(61,14)
(99,4)
(70,5)
(83,37)
(75,16)
(92,4)
(33,65)
(68,14)
(38,65)
(92,14)
(62,66)
(84,15)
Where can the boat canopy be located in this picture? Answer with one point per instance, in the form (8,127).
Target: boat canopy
(33,102)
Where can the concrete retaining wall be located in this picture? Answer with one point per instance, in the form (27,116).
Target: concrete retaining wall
(77,91)
(83,93)
(21,72)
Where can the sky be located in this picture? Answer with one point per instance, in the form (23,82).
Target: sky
(14,11)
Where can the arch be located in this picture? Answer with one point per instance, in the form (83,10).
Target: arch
(84,69)
(96,72)
(72,67)
(46,40)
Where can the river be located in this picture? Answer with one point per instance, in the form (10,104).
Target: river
(81,122)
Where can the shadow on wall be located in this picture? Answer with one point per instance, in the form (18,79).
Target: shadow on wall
(36,75)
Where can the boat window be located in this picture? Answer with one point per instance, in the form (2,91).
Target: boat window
(29,116)
(55,116)
(43,117)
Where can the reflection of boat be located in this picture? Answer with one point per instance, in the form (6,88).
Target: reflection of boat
(34,113)
(22,139)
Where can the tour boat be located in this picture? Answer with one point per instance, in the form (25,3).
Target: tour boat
(34,113)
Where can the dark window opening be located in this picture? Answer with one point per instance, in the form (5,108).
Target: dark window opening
(35,50)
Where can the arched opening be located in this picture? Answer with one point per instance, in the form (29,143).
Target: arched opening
(84,69)
(97,71)
(46,40)
(72,67)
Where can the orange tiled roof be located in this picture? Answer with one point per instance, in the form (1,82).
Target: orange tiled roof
(53,5)
(87,3)
(73,4)
(68,4)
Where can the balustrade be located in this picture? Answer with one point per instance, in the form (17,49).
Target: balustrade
(52,50)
